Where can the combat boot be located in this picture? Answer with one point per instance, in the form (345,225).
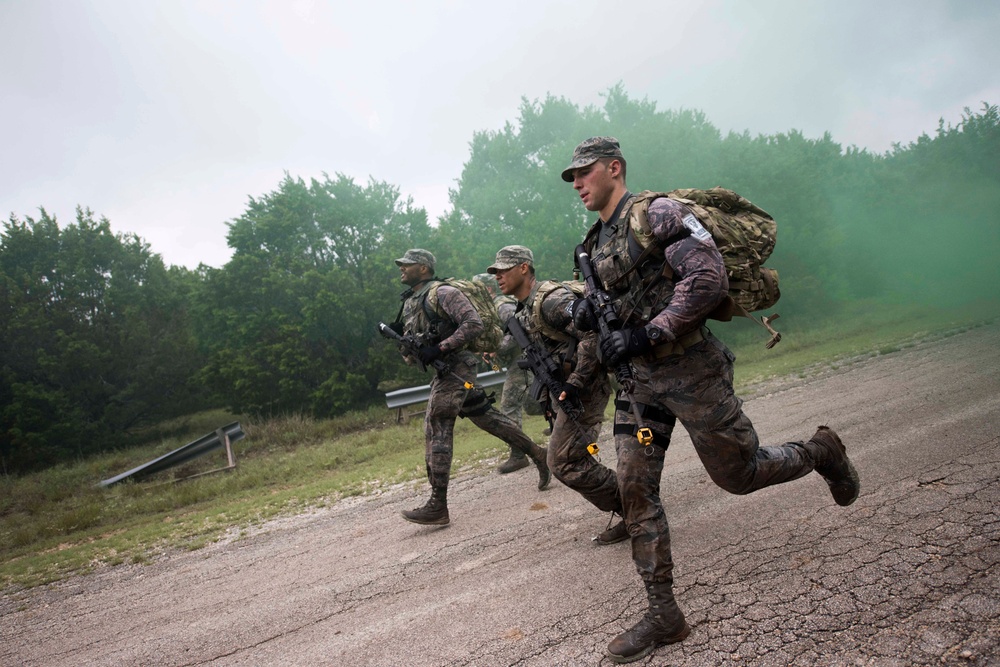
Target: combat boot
(830,461)
(433,513)
(612,535)
(516,461)
(537,455)
(663,623)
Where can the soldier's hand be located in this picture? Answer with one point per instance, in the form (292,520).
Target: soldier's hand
(428,353)
(569,393)
(620,346)
(583,315)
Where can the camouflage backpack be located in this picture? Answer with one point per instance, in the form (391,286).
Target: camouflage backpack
(744,234)
(482,301)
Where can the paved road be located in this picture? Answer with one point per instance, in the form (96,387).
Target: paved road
(908,575)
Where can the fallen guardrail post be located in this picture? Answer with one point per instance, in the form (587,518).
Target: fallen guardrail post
(223,437)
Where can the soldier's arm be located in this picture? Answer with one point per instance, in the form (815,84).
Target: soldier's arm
(461,311)
(699,273)
(557,312)
(507,344)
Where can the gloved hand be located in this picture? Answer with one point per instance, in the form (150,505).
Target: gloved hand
(572,393)
(583,315)
(428,353)
(620,346)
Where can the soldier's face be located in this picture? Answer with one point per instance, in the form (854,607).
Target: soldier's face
(410,274)
(594,184)
(510,279)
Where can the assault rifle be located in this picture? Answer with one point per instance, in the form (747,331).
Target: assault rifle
(608,321)
(412,345)
(547,373)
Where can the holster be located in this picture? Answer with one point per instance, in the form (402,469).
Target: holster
(477,402)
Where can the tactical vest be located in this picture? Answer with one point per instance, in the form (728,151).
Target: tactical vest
(417,321)
(637,294)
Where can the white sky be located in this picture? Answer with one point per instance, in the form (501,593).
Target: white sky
(165,116)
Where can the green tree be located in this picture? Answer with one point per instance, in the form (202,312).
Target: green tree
(94,337)
(289,321)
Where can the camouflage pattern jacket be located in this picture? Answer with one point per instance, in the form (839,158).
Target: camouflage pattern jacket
(678,304)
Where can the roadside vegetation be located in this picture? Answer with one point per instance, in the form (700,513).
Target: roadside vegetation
(59,522)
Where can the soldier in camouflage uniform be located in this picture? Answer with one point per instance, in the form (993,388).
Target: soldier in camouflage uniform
(545,313)
(682,373)
(515,385)
(446,339)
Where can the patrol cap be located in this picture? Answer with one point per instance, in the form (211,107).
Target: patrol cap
(489,280)
(590,151)
(417,256)
(510,256)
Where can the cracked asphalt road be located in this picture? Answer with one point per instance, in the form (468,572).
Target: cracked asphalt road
(908,575)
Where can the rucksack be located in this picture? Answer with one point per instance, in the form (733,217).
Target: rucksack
(544,289)
(745,235)
(482,301)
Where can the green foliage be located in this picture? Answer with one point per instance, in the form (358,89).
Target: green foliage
(289,321)
(95,340)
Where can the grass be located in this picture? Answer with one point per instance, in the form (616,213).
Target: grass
(59,523)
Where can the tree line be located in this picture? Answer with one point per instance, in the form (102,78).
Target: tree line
(99,338)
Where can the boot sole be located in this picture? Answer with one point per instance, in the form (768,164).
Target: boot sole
(434,522)
(846,489)
(846,492)
(623,659)
(507,468)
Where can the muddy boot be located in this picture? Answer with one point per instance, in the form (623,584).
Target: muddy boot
(516,461)
(663,623)
(434,513)
(830,461)
(537,455)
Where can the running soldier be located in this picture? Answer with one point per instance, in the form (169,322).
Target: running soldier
(515,385)
(682,373)
(444,334)
(545,313)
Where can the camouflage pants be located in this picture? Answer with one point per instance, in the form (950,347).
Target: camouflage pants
(695,388)
(572,464)
(515,387)
(447,396)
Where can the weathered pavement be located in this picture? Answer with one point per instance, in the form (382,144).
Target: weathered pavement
(908,575)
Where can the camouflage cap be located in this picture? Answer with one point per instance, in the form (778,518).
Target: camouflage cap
(590,151)
(417,256)
(487,278)
(510,256)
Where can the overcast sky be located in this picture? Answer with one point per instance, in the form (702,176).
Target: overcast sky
(166,116)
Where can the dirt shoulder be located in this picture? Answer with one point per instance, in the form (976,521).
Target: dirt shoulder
(907,575)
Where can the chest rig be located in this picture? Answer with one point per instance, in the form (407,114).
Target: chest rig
(638,281)
(420,320)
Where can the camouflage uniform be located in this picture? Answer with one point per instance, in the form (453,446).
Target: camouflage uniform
(568,458)
(688,378)
(515,386)
(679,371)
(448,397)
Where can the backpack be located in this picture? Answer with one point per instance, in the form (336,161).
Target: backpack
(745,235)
(544,289)
(479,295)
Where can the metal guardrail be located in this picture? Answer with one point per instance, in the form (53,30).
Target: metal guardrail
(401,398)
(223,437)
